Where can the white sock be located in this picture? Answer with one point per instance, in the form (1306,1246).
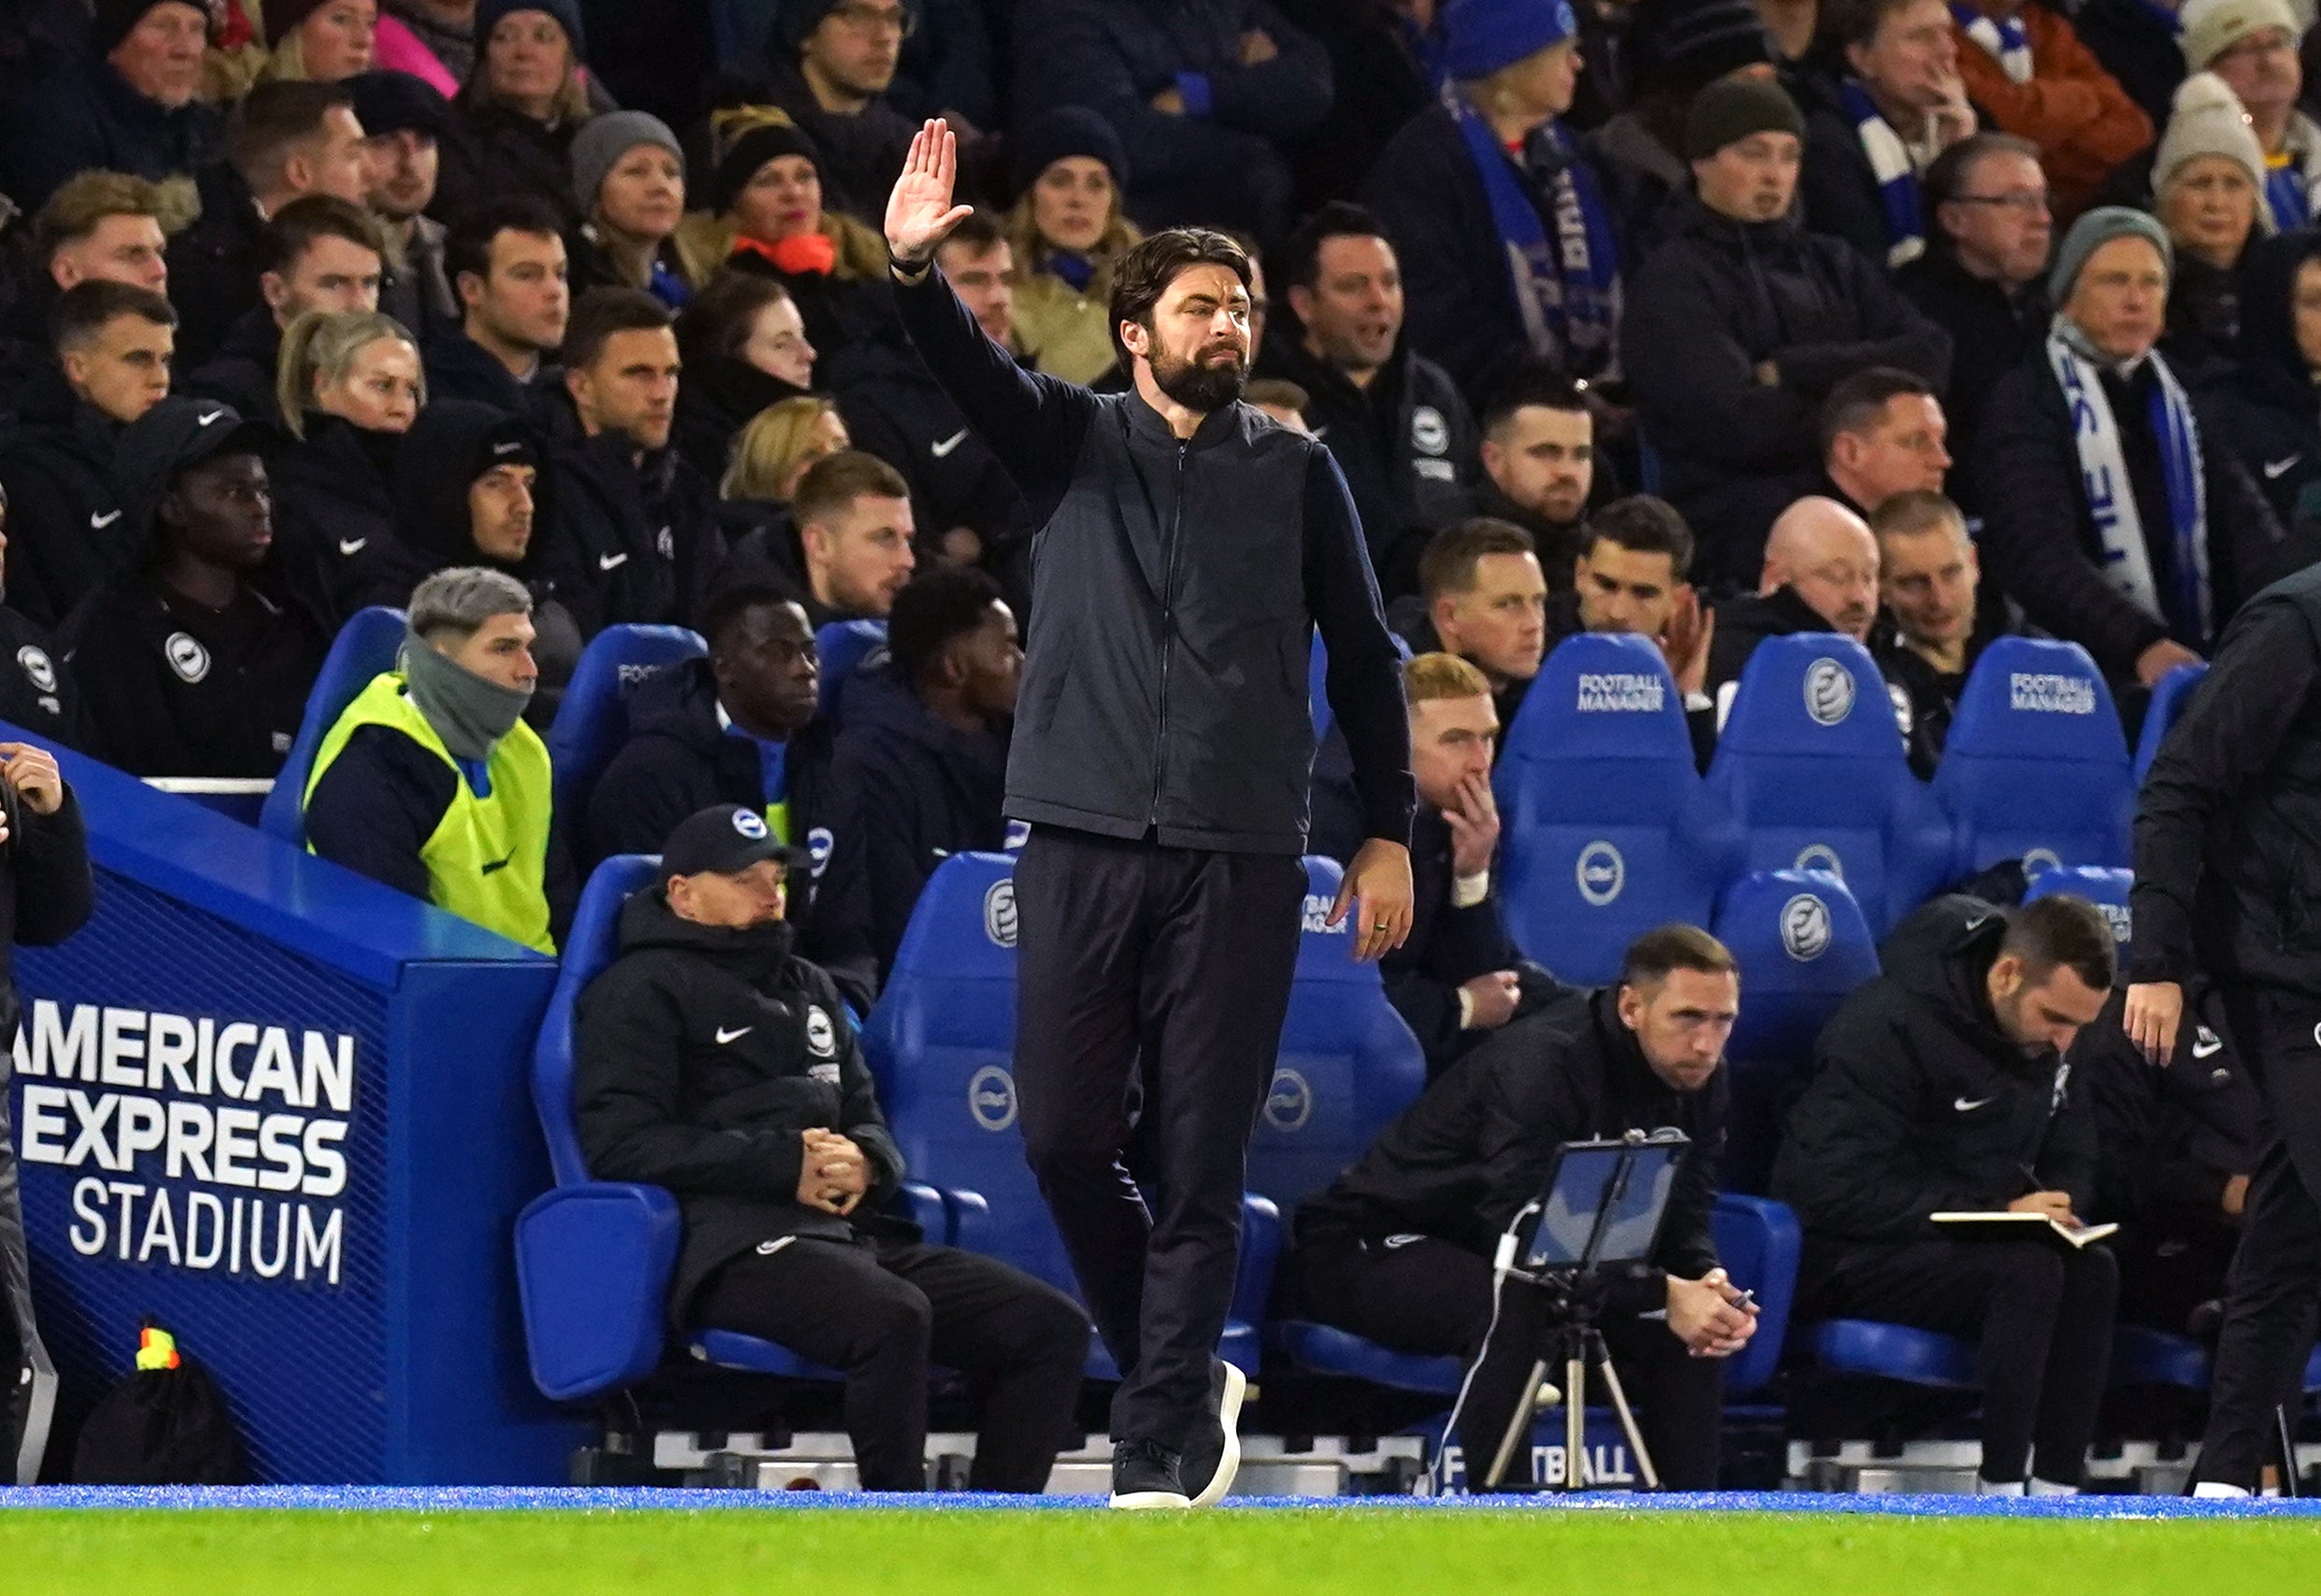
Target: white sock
(2215,1491)
(2048,1487)
(1997,1487)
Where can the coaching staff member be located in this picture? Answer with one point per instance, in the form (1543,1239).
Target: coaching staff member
(1162,750)
(2228,882)
(1399,1249)
(715,1063)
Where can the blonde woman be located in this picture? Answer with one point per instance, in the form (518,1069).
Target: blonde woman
(770,457)
(325,40)
(350,386)
(519,108)
(1066,230)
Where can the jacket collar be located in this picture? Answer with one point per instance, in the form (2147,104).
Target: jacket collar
(1149,426)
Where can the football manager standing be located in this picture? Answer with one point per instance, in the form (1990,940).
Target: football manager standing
(2228,882)
(1164,748)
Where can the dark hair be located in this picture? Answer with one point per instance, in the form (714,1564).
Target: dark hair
(833,482)
(932,607)
(1916,510)
(602,312)
(1143,274)
(1526,385)
(2062,931)
(977,232)
(1642,524)
(1652,956)
(718,321)
(1856,402)
(1448,567)
(1854,21)
(1954,167)
(468,246)
(83,310)
(297,226)
(728,606)
(1301,259)
(274,119)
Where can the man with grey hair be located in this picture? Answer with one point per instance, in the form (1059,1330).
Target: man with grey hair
(431,781)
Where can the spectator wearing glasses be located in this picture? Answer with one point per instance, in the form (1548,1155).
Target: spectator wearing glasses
(829,64)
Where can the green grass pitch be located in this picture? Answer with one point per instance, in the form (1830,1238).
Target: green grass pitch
(1329,1552)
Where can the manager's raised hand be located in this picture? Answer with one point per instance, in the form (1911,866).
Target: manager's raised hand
(919,212)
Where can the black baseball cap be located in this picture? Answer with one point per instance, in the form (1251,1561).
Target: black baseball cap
(170,439)
(721,841)
(396,102)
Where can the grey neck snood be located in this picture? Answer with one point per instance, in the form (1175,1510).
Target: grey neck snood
(470,714)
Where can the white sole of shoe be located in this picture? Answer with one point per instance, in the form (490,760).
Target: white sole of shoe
(1139,1501)
(1229,1461)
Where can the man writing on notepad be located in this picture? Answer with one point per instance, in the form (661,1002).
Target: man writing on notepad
(1940,1088)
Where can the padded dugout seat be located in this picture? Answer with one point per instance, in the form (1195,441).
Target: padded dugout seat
(842,646)
(592,721)
(2036,767)
(2170,698)
(364,650)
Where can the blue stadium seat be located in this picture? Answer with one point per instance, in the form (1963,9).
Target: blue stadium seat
(844,645)
(1607,829)
(1803,946)
(2107,889)
(1347,1066)
(1759,1244)
(2142,1357)
(2169,698)
(1891,1352)
(1811,763)
(593,1257)
(592,721)
(942,1042)
(365,649)
(2036,767)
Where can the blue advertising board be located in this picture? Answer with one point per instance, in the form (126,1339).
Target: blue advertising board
(284,1111)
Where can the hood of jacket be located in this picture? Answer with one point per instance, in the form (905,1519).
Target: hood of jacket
(648,922)
(2268,312)
(1941,955)
(454,442)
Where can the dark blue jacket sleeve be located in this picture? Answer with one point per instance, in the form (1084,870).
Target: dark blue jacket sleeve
(1365,680)
(376,806)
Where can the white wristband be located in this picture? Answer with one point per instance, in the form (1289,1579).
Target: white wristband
(1469,890)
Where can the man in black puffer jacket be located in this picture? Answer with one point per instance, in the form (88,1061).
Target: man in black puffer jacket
(1741,324)
(1941,1087)
(714,1061)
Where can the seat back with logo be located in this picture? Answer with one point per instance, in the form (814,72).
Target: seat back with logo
(1606,829)
(2105,886)
(1802,946)
(844,645)
(365,649)
(942,1043)
(2170,695)
(1811,763)
(2036,767)
(1347,1064)
(592,721)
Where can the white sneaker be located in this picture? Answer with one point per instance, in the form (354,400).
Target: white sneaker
(2215,1491)
(1227,1388)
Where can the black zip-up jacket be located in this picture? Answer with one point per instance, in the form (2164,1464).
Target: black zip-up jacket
(240,368)
(491,152)
(703,1054)
(2039,537)
(1716,300)
(715,402)
(628,543)
(40,694)
(212,279)
(897,411)
(2171,1138)
(66,529)
(1463,1160)
(1179,583)
(1407,445)
(459,367)
(2228,828)
(334,518)
(47,889)
(2267,405)
(909,791)
(1919,1104)
(1991,332)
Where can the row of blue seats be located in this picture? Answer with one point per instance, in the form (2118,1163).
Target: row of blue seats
(595,1257)
(1608,830)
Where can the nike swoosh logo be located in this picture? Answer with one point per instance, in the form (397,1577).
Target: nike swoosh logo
(353,544)
(497,864)
(510,447)
(101,523)
(1968,1105)
(606,562)
(724,1035)
(206,420)
(942,450)
(2207,1049)
(2274,467)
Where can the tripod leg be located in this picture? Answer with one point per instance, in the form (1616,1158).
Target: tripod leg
(1575,1412)
(1518,1427)
(1627,1419)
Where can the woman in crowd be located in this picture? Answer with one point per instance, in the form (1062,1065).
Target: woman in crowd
(2208,187)
(1067,230)
(771,453)
(433,40)
(350,386)
(519,108)
(746,348)
(628,179)
(326,40)
(767,216)
(2268,405)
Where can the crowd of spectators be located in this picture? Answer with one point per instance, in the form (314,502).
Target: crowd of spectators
(1921,322)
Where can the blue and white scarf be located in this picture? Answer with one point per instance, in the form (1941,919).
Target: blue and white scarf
(2003,41)
(2188,605)
(1896,172)
(1568,294)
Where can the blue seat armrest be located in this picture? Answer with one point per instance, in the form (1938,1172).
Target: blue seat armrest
(592,1268)
(1778,1244)
(972,1230)
(929,1211)
(1261,1253)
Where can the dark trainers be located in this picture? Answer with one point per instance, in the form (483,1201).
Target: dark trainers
(1144,1474)
(1212,1454)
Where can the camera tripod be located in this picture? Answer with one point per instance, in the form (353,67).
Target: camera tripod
(1574,1342)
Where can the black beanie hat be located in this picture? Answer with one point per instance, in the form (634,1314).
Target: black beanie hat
(115,18)
(1731,109)
(799,17)
(1068,130)
(753,149)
